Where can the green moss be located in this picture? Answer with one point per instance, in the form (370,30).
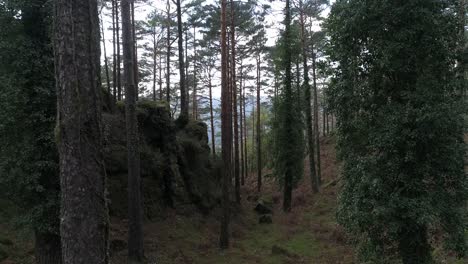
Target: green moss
(303,244)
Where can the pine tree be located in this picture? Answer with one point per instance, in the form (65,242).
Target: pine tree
(289,132)
(84,219)
(308,104)
(226,130)
(135,206)
(184,105)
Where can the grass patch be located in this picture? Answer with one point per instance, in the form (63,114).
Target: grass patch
(303,244)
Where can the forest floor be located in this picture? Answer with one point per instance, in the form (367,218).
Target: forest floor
(308,234)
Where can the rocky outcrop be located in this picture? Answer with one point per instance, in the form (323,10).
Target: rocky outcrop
(176,166)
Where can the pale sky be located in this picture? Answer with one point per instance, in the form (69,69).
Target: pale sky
(273,21)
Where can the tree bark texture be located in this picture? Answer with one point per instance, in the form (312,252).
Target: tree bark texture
(84,215)
(135,210)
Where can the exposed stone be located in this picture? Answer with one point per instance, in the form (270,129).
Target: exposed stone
(176,165)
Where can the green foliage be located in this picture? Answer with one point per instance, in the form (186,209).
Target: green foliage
(28,157)
(400,126)
(287,135)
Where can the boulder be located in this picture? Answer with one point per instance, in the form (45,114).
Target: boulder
(262,208)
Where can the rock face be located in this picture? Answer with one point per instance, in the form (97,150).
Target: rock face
(176,165)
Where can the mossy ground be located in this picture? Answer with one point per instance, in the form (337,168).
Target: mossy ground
(309,234)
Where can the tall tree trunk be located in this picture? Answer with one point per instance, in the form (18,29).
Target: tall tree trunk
(160,72)
(234,98)
(135,207)
(254,139)
(288,175)
(119,71)
(245,133)
(316,123)
(298,80)
(226,133)
(48,249)
(114,56)
(184,107)
(186,63)
(84,216)
(195,99)
(332,122)
(213,149)
(168,54)
(328,122)
(308,106)
(135,48)
(106,66)
(154,62)
(259,139)
(241,105)
(324,126)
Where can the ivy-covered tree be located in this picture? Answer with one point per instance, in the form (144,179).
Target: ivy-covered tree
(288,121)
(400,127)
(29,174)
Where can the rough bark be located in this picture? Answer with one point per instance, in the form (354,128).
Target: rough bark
(84,217)
(184,105)
(226,134)
(135,207)
(48,249)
